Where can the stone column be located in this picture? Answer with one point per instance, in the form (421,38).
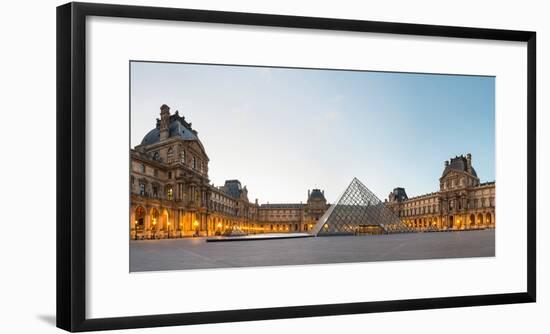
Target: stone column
(132,217)
(147,220)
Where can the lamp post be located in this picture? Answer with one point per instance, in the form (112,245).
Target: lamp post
(168,230)
(135,230)
(154,228)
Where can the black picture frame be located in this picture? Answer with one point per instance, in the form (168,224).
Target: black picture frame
(71,167)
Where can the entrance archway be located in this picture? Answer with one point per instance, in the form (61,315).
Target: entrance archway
(472,220)
(451,221)
(164,220)
(488,220)
(140,218)
(479,219)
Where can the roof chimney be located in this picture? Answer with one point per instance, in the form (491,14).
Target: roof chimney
(469,162)
(164,122)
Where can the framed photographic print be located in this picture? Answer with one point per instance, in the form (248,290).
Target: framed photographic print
(220,166)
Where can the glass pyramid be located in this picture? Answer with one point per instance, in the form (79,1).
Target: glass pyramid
(358,211)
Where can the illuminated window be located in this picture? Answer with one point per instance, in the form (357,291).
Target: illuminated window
(170,193)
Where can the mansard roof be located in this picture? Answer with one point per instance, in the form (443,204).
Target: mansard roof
(317,193)
(178,128)
(232,188)
(459,163)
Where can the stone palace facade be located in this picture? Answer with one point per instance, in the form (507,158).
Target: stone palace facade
(462,202)
(171,195)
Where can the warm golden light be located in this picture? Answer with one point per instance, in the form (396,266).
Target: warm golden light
(195,223)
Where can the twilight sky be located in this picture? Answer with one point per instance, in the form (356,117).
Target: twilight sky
(283,131)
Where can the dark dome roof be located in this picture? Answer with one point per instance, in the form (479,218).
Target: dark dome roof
(458,164)
(316,193)
(176,129)
(233,188)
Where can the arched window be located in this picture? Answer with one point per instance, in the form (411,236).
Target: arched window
(156,156)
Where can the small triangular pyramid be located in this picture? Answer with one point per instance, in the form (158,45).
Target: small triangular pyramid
(358,209)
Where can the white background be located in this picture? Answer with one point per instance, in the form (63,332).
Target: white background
(112,291)
(27,286)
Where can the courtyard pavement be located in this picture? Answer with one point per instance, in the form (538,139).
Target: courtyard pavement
(196,253)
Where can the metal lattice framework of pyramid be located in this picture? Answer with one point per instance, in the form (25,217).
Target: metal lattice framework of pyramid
(358,208)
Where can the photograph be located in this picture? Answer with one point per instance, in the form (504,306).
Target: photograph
(251,166)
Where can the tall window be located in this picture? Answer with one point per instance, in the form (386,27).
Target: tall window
(194,163)
(155,191)
(170,193)
(170,155)
(141,189)
(182,156)
(142,168)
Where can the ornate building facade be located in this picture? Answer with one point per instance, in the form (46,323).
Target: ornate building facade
(171,195)
(462,202)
